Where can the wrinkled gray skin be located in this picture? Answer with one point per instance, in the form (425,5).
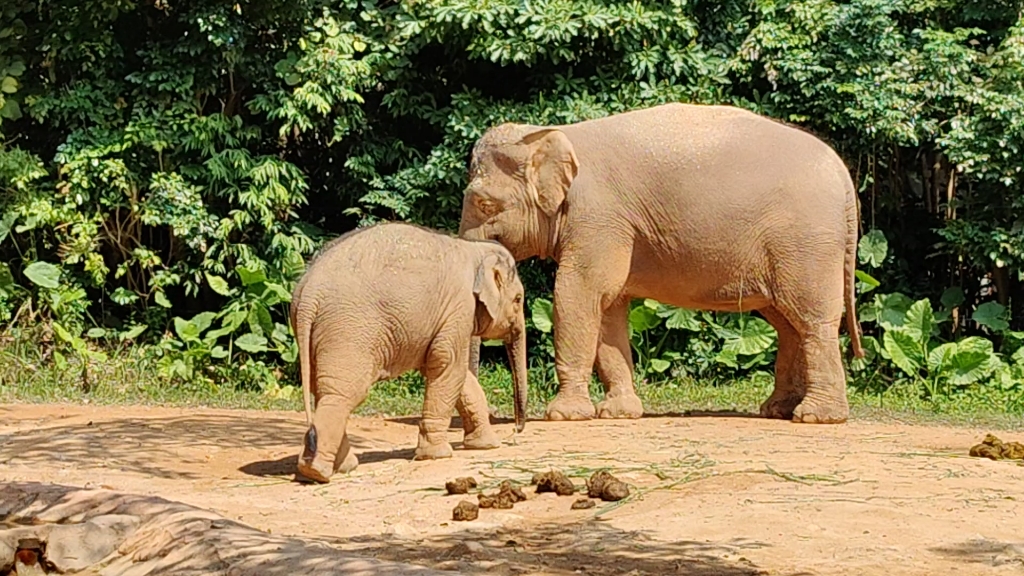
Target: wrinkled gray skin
(386,299)
(702,207)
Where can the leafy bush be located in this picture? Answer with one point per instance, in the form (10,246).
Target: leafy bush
(180,160)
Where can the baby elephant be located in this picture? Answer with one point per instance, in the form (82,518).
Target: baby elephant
(386,299)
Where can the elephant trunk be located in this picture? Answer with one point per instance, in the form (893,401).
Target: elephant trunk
(516,348)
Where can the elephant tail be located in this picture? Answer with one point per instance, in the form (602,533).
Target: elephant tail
(301,323)
(850,270)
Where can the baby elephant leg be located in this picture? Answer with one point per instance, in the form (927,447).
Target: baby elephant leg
(476,421)
(326,449)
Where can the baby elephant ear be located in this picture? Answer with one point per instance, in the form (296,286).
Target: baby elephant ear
(551,168)
(487,287)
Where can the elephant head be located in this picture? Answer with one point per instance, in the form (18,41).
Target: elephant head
(519,177)
(500,316)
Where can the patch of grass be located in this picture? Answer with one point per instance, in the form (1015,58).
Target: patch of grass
(132,376)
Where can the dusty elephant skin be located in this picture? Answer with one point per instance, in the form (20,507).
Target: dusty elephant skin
(703,207)
(386,299)
(108,533)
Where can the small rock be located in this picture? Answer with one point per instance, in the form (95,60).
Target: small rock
(583,504)
(460,485)
(465,511)
(556,482)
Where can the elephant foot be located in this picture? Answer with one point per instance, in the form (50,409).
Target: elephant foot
(320,471)
(482,438)
(436,451)
(780,406)
(570,407)
(822,411)
(626,405)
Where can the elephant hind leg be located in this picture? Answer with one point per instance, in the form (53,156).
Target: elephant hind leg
(790,386)
(327,449)
(819,365)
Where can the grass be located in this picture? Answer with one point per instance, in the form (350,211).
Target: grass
(132,377)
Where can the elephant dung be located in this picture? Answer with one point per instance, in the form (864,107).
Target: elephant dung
(505,499)
(465,511)
(994,449)
(606,487)
(554,481)
(460,485)
(583,504)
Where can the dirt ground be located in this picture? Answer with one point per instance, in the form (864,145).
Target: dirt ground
(712,494)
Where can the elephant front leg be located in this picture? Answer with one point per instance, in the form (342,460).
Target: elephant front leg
(445,372)
(326,448)
(615,365)
(577,314)
(476,421)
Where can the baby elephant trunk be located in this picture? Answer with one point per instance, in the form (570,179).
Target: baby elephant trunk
(515,345)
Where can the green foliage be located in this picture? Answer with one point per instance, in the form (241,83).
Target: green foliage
(173,165)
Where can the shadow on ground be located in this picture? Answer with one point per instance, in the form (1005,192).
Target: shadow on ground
(156,446)
(588,547)
(984,551)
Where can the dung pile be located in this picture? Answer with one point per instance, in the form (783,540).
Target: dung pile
(460,485)
(505,499)
(553,481)
(995,449)
(606,487)
(465,511)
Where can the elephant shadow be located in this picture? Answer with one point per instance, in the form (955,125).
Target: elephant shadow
(287,464)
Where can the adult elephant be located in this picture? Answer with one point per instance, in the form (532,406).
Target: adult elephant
(702,207)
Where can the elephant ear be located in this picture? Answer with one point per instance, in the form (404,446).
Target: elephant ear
(551,168)
(487,286)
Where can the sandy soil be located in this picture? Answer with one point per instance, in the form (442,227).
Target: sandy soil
(712,494)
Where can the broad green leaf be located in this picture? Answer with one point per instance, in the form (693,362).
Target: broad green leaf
(542,314)
(973,361)
(203,320)
(59,360)
(219,352)
(727,357)
(1018,357)
(218,285)
(96,333)
(250,276)
(260,321)
(659,365)
(43,274)
(9,85)
(274,294)
(187,331)
(991,315)
(939,358)
(952,297)
(642,318)
(5,224)
(866,283)
(10,110)
(872,248)
(6,278)
(133,332)
(291,353)
(872,350)
(63,333)
(904,351)
(892,309)
(680,319)
(492,343)
(919,321)
(161,299)
(652,304)
(752,336)
(252,343)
